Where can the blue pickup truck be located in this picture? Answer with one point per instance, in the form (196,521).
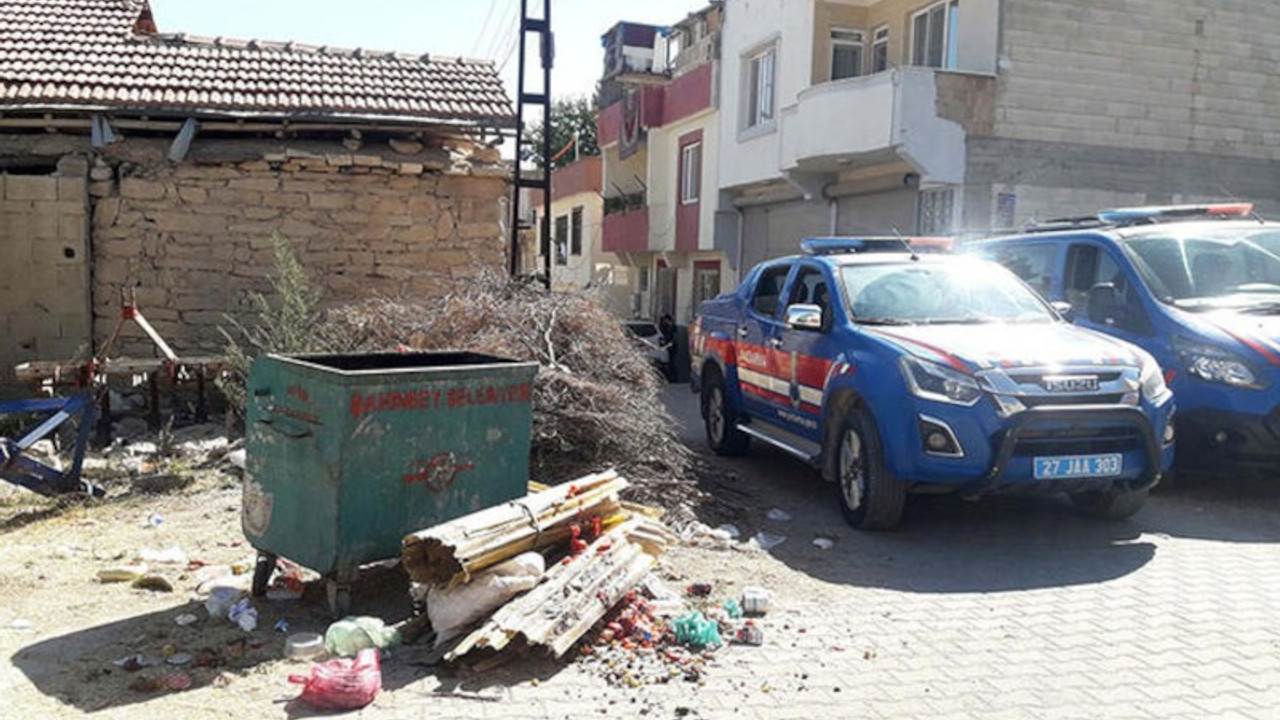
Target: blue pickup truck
(1198,287)
(896,372)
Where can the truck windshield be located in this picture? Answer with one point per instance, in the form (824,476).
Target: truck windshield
(953,292)
(1227,268)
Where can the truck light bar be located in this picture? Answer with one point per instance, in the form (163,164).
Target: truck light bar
(847,245)
(1161,213)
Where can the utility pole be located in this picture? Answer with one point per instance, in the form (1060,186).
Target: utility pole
(540,27)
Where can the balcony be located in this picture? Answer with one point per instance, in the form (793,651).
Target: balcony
(626,224)
(920,115)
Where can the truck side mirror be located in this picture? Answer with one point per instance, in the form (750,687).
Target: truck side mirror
(1103,303)
(804,317)
(1065,309)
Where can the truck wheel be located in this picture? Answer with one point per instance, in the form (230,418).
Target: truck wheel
(1110,504)
(870,497)
(721,421)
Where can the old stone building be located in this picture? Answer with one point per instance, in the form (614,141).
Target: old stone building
(165,163)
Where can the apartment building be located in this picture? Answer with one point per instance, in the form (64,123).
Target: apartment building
(658,132)
(951,116)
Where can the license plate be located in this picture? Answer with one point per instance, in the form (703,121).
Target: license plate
(1079,466)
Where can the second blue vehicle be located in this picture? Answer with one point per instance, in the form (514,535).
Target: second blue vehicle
(896,372)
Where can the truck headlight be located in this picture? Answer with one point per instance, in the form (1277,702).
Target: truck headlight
(1218,366)
(932,381)
(1154,388)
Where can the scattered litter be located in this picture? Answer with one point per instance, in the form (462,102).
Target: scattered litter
(180,659)
(731,530)
(282,625)
(750,634)
(123,573)
(176,682)
(221,599)
(186,619)
(304,646)
(701,589)
(733,609)
(168,556)
(350,635)
(155,520)
(21,624)
(823,543)
(154,583)
(237,458)
(701,536)
(342,684)
(767,541)
(134,663)
(244,614)
(777,515)
(697,631)
(755,600)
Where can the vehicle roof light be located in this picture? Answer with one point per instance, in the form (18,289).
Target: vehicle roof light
(846,245)
(1163,213)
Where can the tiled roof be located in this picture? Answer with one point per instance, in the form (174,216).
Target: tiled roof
(84,54)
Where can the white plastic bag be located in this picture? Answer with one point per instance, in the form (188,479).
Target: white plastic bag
(452,610)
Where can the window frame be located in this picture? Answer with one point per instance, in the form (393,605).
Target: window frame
(948,59)
(691,173)
(860,44)
(879,41)
(761,86)
(575,231)
(560,234)
(930,202)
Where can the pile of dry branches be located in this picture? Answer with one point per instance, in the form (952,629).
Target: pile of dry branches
(596,401)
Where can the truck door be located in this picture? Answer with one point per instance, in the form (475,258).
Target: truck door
(1089,264)
(757,335)
(805,356)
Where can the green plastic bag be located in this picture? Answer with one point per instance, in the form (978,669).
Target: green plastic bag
(350,635)
(696,630)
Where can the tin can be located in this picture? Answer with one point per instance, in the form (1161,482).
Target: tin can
(750,634)
(755,600)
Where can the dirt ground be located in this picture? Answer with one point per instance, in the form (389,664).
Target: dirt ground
(65,632)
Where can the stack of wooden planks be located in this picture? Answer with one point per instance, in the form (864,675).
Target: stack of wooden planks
(576,592)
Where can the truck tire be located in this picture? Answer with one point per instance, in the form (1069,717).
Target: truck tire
(870,497)
(1110,504)
(720,420)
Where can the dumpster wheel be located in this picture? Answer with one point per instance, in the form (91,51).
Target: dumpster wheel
(339,597)
(263,569)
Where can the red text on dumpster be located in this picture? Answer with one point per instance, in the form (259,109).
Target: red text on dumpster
(430,398)
(439,472)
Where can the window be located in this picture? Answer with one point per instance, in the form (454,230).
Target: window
(1089,265)
(706,282)
(690,173)
(1033,263)
(562,240)
(760,87)
(846,54)
(933,35)
(769,290)
(936,210)
(575,232)
(880,50)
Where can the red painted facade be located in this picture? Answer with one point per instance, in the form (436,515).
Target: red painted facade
(609,125)
(688,94)
(688,214)
(578,177)
(626,232)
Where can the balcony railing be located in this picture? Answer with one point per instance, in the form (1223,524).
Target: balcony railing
(626,230)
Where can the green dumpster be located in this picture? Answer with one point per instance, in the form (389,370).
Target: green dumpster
(347,454)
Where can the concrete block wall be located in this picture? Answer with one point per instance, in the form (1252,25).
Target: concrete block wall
(1160,75)
(195,239)
(44,273)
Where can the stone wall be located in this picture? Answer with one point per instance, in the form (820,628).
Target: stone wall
(44,272)
(195,239)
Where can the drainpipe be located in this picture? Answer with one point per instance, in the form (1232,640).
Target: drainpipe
(833,205)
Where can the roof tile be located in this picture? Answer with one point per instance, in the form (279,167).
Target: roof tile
(84,53)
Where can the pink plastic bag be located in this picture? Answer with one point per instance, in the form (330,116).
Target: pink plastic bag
(342,684)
